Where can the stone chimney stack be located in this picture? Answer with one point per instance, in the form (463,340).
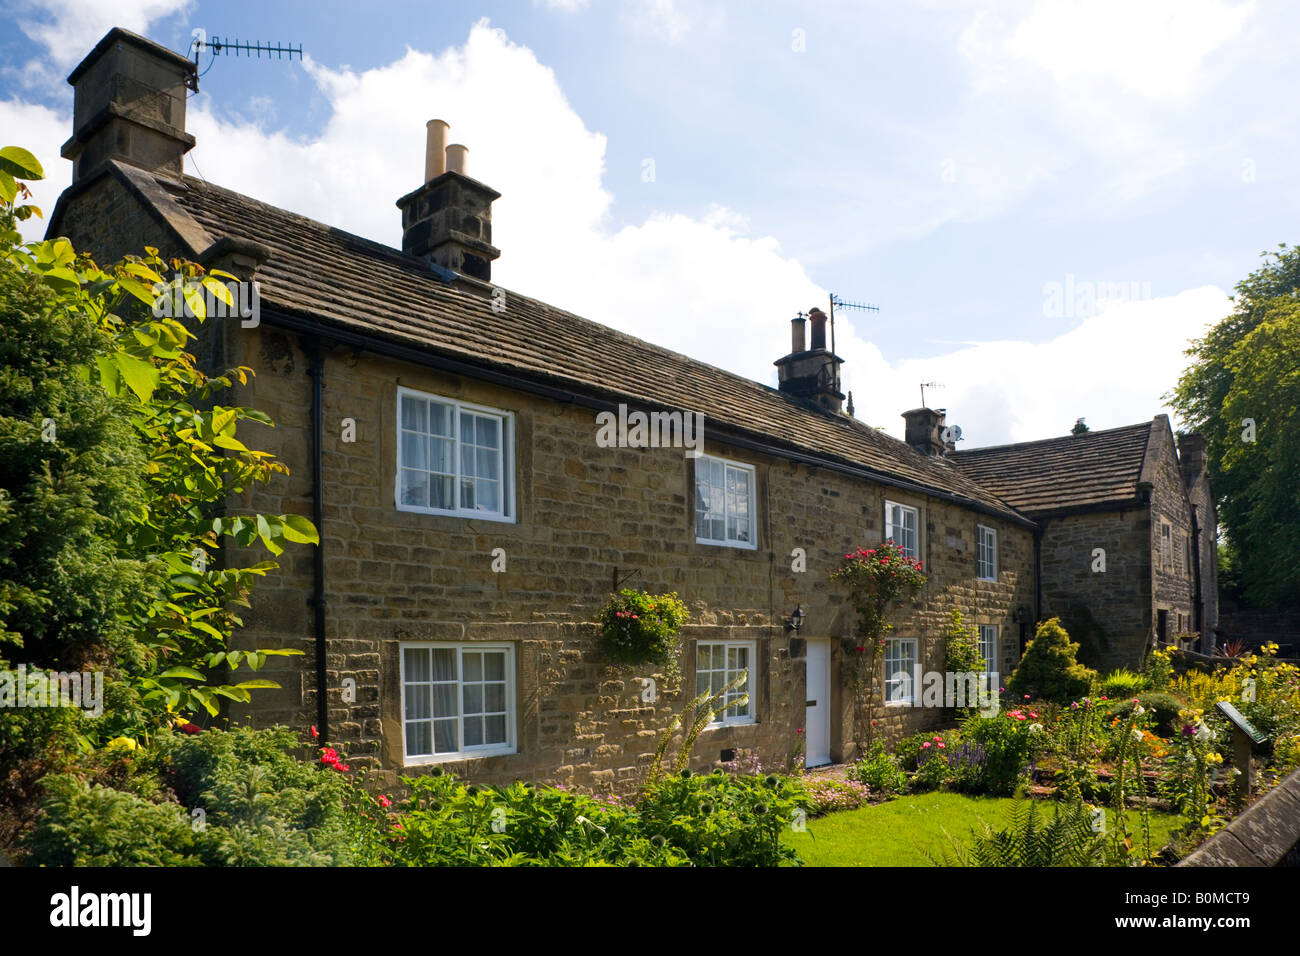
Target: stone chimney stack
(811,373)
(1191,455)
(129,98)
(924,430)
(449,219)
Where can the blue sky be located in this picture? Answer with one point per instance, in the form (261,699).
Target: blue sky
(960,165)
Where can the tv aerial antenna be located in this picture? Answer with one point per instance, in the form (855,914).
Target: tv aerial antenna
(924,386)
(843,304)
(218,46)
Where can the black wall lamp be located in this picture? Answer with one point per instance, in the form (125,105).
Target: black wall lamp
(796,618)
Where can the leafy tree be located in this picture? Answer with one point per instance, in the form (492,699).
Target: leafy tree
(1049,669)
(117,526)
(1242,392)
(1080,427)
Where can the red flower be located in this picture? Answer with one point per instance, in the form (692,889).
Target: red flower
(329,756)
(384,801)
(314,731)
(342,767)
(189,728)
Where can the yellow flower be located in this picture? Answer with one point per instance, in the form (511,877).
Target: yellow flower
(122,743)
(1214,758)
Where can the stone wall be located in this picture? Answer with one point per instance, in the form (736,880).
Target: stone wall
(1173,587)
(583,511)
(1106,611)
(585,514)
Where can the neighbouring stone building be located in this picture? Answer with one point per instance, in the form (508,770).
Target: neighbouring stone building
(1127,552)
(443,432)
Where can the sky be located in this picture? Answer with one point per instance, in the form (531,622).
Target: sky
(1046,199)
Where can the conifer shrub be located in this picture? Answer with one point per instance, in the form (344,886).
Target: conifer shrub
(1049,669)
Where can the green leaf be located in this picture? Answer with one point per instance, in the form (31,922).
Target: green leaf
(18,162)
(259,683)
(299,530)
(179,671)
(8,188)
(140,376)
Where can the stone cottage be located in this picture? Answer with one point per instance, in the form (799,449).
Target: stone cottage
(1127,534)
(444,434)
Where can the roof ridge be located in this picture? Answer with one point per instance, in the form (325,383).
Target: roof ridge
(1055,438)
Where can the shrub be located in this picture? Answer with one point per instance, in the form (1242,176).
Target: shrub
(93,825)
(641,628)
(716,820)
(932,768)
(879,771)
(1159,670)
(829,795)
(962,643)
(1049,669)
(1162,707)
(1009,741)
(1121,683)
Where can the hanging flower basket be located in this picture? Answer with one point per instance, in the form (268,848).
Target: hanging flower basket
(641,628)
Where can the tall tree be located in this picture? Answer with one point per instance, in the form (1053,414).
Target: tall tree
(1242,392)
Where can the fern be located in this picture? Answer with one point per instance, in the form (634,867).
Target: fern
(1029,840)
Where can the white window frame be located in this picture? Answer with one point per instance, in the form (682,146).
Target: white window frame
(891,645)
(890,527)
(1166,545)
(506,462)
(511,711)
(749,717)
(989,637)
(751,477)
(981,532)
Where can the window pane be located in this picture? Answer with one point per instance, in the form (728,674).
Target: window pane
(473,663)
(494,699)
(487,463)
(495,729)
(473,699)
(416,664)
(444,700)
(473,731)
(496,665)
(417,702)
(413,450)
(414,414)
(440,494)
(488,433)
(467,498)
(487,496)
(415,488)
(444,736)
(418,740)
(444,663)
(439,419)
(440,455)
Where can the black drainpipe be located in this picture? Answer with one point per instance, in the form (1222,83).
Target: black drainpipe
(1038,573)
(1197,609)
(317,372)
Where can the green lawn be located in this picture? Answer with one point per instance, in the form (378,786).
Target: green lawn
(900,832)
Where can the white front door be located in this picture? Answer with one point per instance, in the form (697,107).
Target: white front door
(817,720)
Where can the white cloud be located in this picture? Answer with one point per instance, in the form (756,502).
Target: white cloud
(68,29)
(42,131)
(657,18)
(695,281)
(1155,48)
(564,6)
(1112,369)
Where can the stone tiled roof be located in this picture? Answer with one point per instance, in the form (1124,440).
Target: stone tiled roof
(341,280)
(1085,471)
